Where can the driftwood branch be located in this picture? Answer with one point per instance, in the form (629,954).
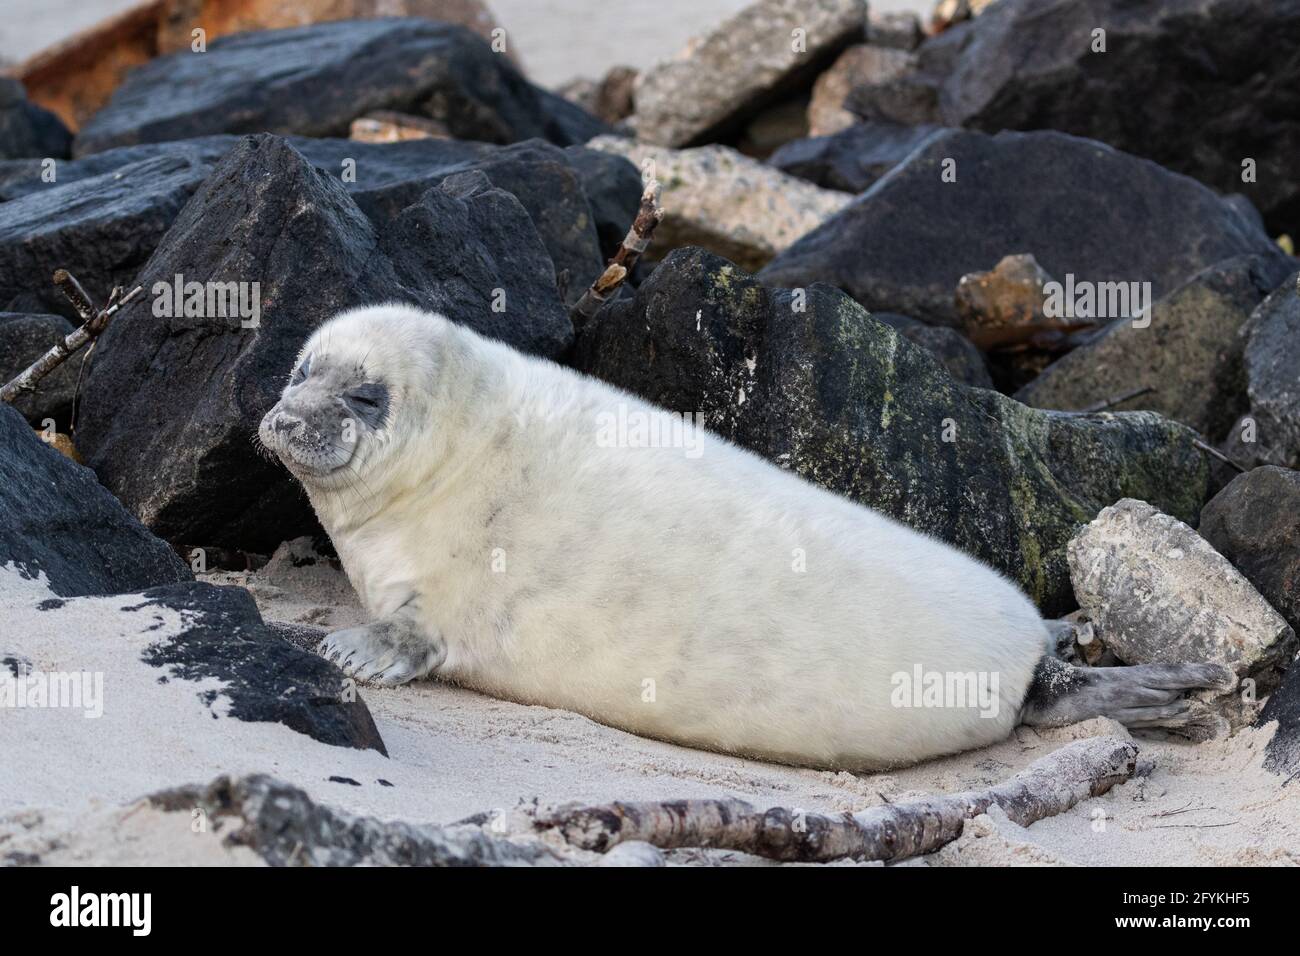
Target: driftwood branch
(94,321)
(634,243)
(1048,786)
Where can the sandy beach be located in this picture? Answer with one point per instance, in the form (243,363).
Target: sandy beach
(454,753)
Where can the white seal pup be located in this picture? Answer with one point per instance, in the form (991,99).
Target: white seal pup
(522,529)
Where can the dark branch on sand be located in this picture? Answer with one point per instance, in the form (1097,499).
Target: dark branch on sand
(1048,786)
(94,322)
(634,243)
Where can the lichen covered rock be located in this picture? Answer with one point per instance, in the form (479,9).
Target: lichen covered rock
(810,381)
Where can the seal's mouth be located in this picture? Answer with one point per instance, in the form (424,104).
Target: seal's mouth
(307,451)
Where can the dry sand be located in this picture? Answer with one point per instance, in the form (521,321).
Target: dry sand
(71,785)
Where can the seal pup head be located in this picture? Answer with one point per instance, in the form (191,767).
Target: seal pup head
(359,383)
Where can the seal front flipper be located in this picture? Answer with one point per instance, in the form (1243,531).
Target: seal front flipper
(393,650)
(1145,695)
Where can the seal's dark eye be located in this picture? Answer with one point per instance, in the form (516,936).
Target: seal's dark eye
(301,373)
(368,402)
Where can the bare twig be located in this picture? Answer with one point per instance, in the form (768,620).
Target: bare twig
(1215,453)
(94,322)
(634,243)
(67,284)
(1117,399)
(1194,826)
(1050,785)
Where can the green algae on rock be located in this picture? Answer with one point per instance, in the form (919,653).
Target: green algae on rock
(807,379)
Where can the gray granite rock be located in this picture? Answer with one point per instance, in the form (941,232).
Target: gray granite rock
(1157,592)
(746,63)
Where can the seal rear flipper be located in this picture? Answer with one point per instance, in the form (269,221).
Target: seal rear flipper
(1145,695)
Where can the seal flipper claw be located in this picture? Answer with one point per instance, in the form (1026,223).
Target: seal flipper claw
(391,651)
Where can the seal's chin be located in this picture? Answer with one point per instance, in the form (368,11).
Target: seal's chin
(308,466)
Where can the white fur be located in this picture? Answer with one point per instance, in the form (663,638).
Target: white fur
(650,590)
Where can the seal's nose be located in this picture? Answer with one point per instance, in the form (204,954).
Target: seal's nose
(280,425)
(284,424)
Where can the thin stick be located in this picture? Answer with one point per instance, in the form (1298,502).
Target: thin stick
(67,284)
(634,243)
(1215,453)
(1048,786)
(1118,399)
(94,323)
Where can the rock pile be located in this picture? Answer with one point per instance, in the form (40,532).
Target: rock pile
(989,281)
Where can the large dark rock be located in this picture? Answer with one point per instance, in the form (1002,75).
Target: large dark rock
(385,178)
(25,338)
(56,520)
(22,177)
(1272,361)
(1199,86)
(853,158)
(172,403)
(851,405)
(565,122)
(27,129)
(454,245)
(315,80)
(958,355)
(581,201)
(1190,355)
(909,97)
(263,677)
(544,178)
(1255,523)
(101,229)
(1282,756)
(1077,206)
(549,188)
(613,187)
